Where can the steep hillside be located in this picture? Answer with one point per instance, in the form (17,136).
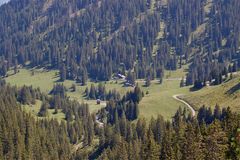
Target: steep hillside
(227,95)
(101,37)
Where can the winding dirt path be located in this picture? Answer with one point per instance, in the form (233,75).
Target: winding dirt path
(184,102)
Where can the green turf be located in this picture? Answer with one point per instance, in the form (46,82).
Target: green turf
(159,101)
(46,80)
(41,78)
(226,94)
(178,74)
(34,109)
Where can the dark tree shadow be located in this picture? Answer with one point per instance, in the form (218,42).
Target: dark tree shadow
(194,89)
(233,89)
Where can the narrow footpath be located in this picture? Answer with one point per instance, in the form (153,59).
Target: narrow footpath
(184,102)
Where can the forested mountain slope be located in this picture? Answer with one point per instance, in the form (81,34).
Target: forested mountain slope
(97,38)
(125,41)
(210,135)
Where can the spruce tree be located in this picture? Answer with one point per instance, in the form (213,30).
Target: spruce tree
(63,73)
(192,145)
(167,152)
(92,93)
(86,92)
(116,121)
(90,130)
(150,149)
(121,150)
(215,142)
(148,81)
(136,111)
(123,125)
(43,112)
(234,150)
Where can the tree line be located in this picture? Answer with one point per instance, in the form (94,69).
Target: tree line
(212,134)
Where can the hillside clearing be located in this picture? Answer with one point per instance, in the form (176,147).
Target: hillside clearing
(34,109)
(226,94)
(158,101)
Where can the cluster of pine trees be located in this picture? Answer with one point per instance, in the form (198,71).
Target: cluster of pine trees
(213,134)
(98,38)
(218,50)
(126,107)
(22,136)
(100,92)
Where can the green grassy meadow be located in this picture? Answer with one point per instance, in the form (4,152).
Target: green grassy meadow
(34,109)
(226,95)
(158,101)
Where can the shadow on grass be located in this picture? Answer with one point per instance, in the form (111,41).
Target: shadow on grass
(233,89)
(194,89)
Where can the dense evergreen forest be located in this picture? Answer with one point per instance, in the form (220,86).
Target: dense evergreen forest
(96,38)
(212,134)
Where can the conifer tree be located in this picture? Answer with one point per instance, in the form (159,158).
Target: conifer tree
(116,121)
(86,92)
(192,145)
(92,93)
(148,81)
(69,116)
(43,112)
(90,131)
(104,156)
(28,140)
(159,129)
(121,150)
(123,125)
(137,96)
(150,149)
(217,112)
(84,78)
(25,95)
(234,150)
(167,152)
(63,73)
(215,142)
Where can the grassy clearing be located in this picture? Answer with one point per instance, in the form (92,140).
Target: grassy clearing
(226,94)
(34,109)
(45,80)
(159,100)
(41,78)
(178,74)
